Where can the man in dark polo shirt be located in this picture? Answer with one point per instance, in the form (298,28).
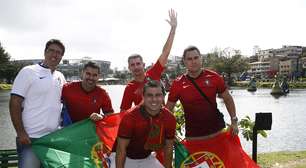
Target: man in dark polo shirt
(146,128)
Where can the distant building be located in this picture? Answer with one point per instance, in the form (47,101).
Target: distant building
(288,67)
(291,52)
(253,58)
(265,55)
(259,69)
(72,68)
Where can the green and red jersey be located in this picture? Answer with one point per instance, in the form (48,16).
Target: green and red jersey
(201,117)
(133,90)
(82,104)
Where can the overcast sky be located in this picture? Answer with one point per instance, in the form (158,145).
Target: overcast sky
(112,30)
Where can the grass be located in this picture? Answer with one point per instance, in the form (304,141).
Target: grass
(286,159)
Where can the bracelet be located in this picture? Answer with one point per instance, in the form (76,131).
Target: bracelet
(235,119)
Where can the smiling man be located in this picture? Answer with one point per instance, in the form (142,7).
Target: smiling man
(84,99)
(35,104)
(146,128)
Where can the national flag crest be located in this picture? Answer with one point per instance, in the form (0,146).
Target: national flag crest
(84,144)
(221,151)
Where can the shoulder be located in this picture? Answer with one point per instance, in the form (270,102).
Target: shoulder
(29,68)
(59,74)
(101,90)
(133,114)
(72,84)
(210,73)
(168,114)
(180,78)
(131,85)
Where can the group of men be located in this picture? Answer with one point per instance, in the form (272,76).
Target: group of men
(149,125)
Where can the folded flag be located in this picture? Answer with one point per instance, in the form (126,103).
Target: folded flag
(84,144)
(222,151)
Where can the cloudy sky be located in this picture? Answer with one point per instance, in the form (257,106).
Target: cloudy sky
(113,29)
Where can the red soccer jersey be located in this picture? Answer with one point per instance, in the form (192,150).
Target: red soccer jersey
(200,116)
(136,126)
(133,90)
(82,104)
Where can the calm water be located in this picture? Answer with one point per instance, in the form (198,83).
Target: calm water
(288,127)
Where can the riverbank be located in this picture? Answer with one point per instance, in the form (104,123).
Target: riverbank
(5,86)
(283,159)
(261,84)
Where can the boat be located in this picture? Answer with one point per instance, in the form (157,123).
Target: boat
(276,89)
(252,85)
(285,86)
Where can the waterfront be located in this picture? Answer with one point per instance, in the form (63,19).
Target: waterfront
(288,127)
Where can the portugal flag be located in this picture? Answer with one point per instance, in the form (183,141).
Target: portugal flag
(221,151)
(84,144)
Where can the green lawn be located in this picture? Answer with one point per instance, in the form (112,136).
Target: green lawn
(294,159)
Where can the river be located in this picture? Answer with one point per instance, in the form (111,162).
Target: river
(288,126)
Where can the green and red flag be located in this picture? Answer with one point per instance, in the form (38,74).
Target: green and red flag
(222,151)
(84,144)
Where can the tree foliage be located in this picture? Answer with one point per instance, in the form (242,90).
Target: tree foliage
(227,62)
(4,56)
(8,69)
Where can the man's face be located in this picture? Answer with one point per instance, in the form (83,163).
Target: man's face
(193,61)
(53,55)
(153,100)
(90,77)
(136,66)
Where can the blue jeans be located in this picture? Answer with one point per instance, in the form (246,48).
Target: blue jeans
(27,158)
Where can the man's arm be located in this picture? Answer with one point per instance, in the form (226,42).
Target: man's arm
(168,45)
(126,101)
(170,105)
(16,117)
(168,153)
(121,152)
(230,106)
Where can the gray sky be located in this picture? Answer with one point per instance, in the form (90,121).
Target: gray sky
(114,29)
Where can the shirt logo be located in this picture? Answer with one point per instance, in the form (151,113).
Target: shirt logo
(42,77)
(185,86)
(207,82)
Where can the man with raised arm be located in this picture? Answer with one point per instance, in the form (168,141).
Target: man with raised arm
(133,91)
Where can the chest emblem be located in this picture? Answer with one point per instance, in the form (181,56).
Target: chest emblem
(207,82)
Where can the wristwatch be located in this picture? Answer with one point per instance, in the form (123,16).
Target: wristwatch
(234,119)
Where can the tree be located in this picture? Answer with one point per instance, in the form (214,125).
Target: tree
(4,56)
(8,69)
(228,62)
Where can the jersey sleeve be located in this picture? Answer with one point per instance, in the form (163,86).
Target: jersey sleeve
(126,102)
(126,127)
(107,103)
(156,71)
(221,87)
(174,92)
(22,83)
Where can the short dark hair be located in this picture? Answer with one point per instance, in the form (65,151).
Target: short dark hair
(57,42)
(152,84)
(92,65)
(134,56)
(190,48)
